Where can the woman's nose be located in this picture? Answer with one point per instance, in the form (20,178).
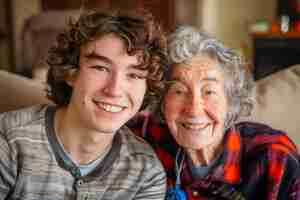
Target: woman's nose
(194,106)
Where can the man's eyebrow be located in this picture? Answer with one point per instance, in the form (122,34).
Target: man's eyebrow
(177,79)
(107,60)
(93,55)
(172,81)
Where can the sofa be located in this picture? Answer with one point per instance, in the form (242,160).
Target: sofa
(18,91)
(278,102)
(38,34)
(277,99)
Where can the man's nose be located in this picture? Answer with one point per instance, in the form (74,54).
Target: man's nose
(114,86)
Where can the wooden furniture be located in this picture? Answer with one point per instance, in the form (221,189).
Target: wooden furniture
(18,91)
(162,10)
(73,4)
(7,61)
(274,51)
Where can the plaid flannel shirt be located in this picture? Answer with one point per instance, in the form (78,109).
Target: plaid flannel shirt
(257,163)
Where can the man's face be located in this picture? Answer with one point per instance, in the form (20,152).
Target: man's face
(195,105)
(107,90)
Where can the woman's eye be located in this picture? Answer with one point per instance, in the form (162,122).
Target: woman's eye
(209,92)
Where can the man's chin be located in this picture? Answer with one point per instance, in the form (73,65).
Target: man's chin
(107,129)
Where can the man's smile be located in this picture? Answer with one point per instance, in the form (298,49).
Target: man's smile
(109,107)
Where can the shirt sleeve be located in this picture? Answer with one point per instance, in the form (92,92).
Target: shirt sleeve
(154,187)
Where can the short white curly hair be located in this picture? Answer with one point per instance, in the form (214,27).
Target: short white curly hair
(188,42)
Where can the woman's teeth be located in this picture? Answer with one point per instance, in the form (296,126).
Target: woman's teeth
(194,126)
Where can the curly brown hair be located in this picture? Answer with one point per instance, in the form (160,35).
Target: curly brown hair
(140,32)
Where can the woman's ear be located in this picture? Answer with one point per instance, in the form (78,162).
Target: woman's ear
(70,76)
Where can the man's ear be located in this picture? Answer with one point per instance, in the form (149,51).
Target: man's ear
(70,76)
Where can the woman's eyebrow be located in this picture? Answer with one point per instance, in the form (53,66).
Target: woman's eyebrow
(210,79)
(183,80)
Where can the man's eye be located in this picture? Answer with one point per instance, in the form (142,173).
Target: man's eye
(178,90)
(136,76)
(101,68)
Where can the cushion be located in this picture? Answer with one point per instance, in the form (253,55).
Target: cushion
(17,91)
(278,102)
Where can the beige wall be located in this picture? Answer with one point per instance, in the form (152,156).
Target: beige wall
(229,19)
(22,10)
(186,12)
(4,51)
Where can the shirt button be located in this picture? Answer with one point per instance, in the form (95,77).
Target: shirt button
(195,193)
(79,182)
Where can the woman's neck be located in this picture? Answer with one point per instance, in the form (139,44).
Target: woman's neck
(206,155)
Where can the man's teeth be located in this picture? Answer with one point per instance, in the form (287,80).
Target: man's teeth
(110,108)
(194,126)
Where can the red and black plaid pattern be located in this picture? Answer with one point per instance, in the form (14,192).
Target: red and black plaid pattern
(257,163)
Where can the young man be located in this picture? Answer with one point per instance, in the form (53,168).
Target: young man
(100,71)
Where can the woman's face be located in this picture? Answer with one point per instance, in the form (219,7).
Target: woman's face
(195,104)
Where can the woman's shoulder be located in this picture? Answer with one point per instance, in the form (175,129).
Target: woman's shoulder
(262,139)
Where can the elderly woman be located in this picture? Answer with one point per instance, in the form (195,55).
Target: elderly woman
(205,152)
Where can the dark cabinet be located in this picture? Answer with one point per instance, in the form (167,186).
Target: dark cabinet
(6,36)
(273,52)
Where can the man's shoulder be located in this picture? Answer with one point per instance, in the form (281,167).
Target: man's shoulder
(22,117)
(258,133)
(136,147)
(135,144)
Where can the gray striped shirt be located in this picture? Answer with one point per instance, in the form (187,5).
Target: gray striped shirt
(33,166)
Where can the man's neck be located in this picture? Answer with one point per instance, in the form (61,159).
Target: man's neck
(83,145)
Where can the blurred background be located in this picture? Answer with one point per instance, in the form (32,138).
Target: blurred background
(235,22)
(266,32)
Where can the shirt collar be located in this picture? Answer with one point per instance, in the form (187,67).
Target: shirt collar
(229,168)
(66,163)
